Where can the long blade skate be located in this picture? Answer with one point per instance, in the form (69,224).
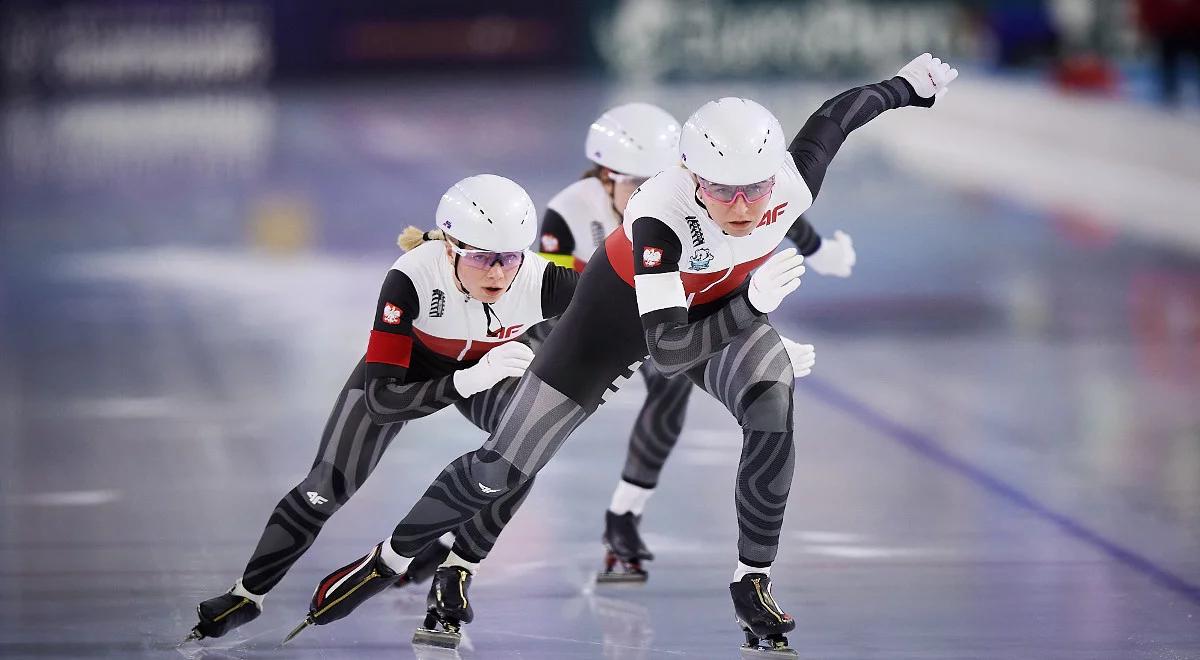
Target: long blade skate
(193,636)
(308,621)
(631,572)
(428,635)
(771,646)
(764,623)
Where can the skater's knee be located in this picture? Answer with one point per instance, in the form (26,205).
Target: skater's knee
(493,474)
(324,489)
(767,405)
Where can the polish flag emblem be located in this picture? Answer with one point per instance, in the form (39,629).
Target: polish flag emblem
(392,314)
(651,257)
(549,243)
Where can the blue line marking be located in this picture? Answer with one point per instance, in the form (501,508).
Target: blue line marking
(930,449)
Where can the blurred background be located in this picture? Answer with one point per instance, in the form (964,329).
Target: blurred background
(1000,446)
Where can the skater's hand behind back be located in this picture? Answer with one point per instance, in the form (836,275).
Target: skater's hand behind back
(803,357)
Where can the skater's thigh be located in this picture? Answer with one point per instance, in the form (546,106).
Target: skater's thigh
(485,408)
(351,444)
(752,377)
(595,346)
(596,343)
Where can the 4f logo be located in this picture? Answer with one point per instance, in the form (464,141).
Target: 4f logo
(505,333)
(771,216)
(315,498)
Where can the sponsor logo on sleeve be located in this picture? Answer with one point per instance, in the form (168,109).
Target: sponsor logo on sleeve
(651,257)
(392,314)
(437,303)
(694,229)
(597,232)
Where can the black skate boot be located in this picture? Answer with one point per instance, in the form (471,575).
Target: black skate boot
(424,564)
(224,613)
(624,545)
(448,608)
(345,589)
(761,618)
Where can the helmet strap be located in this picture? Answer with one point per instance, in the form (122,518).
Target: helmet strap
(488,313)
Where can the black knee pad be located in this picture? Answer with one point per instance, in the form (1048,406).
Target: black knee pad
(768,406)
(493,474)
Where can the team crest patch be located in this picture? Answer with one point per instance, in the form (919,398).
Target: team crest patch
(651,257)
(549,243)
(701,259)
(392,314)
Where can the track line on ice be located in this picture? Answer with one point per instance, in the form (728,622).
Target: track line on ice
(927,447)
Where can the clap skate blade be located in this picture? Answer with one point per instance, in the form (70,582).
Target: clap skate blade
(449,637)
(771,646)
(297,630)
(631,572)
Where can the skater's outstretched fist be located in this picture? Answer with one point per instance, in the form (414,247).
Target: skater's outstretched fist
(929,76)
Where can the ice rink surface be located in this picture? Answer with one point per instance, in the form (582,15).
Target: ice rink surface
(998,452)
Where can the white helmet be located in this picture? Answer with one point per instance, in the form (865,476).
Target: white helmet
(488,212)
(732,141)
(635,138)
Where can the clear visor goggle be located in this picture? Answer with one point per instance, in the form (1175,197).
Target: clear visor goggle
(725,194)
(485,259)
(633,180)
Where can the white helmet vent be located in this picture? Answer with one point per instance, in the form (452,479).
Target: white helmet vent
(498,221)
(732,143)
(638,139)
(714,144)
(485,216)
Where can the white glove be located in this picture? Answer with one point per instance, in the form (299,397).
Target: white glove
(835,257)
(803,357)
(509,359)
(775,279)
(928,75)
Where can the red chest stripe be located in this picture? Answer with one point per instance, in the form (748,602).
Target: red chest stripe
(389,348)
(620,255)
(451,348)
